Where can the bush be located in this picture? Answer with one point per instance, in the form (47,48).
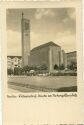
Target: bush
(18,71)
(63,74)
(9,71)
(56,67)
(61,67)
(72,66)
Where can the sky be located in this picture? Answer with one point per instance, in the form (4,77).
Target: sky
(46,24)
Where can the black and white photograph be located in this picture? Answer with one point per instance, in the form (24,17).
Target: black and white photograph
(41,50)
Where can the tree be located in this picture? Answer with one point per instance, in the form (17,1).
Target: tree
(18,71)
(9,71)
(43,67)
(72,66)
(56,67)
(61,67)
(26,68)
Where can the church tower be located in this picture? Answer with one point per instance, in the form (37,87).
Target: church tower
(25,33)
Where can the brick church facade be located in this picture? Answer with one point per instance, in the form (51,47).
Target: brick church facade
(49,54)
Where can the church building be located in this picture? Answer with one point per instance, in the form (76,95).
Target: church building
(49,54)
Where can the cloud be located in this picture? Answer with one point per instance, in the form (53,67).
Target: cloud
(44,12)
(57,25)
(72,13)
(66,40)
(13,42)
(36,39)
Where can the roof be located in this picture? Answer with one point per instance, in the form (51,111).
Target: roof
(71,52)
(14,57)
(45,45)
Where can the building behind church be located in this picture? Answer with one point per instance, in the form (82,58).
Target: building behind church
(71,58)
(14,61)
